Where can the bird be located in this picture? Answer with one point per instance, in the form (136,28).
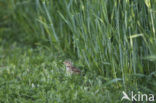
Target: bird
(70,68)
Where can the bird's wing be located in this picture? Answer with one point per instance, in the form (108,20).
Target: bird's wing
(75,70)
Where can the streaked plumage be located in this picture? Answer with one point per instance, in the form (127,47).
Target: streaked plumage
(70,68)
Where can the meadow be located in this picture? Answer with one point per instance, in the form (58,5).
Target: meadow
(113,42)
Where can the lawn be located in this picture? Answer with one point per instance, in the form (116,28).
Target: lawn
(112,42)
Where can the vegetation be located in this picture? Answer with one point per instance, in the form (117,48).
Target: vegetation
(112,41)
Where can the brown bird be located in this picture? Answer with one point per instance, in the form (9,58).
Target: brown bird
(70,68)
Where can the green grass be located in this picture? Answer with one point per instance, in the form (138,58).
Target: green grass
(111,41)
(36,75)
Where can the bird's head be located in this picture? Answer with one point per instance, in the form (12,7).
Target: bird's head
(67,63)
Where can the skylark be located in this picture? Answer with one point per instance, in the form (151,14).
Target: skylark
(70,68)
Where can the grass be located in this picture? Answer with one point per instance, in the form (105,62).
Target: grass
(37,76)
(112,42)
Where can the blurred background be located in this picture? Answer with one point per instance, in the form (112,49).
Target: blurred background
(112,39)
